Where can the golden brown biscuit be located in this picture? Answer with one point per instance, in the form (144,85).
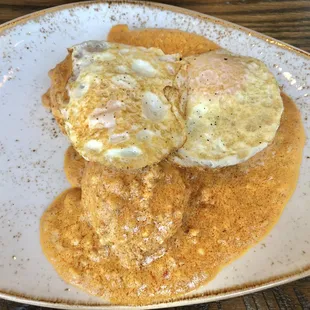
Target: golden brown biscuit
(134,212)
(57,95)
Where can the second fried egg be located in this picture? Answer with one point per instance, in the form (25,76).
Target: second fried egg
(233,109)
(124,108)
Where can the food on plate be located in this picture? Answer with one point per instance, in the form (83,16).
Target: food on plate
(57,94)
(170,41)
(74,167)
(122,108)
(233,109)
(134,213)
(153,234)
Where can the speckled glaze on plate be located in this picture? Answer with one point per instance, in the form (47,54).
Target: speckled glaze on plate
(32,149)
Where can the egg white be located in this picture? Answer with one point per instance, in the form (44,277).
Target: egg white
(233,109)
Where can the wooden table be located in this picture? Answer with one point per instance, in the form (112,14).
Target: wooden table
(285,20)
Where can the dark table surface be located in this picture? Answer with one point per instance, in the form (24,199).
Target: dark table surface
(285,20)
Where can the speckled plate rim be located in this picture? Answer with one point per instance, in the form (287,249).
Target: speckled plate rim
(32,16)
(216,296)
(210,296)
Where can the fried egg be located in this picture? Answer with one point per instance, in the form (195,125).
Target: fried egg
(233,109)
(123,110)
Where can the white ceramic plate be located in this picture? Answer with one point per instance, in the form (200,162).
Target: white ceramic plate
(32,148)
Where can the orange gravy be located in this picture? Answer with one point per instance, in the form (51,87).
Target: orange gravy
(74,166)
(229,210)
